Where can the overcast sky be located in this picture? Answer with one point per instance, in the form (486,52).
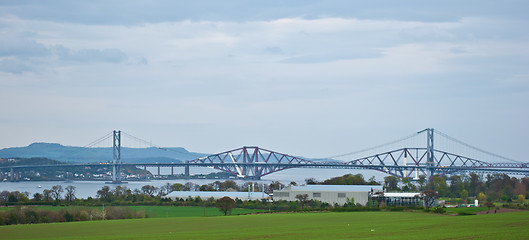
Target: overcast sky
(310,78)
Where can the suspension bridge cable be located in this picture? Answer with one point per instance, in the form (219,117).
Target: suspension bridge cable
(375,147)
(157,146)
(98,141)
(475,148)
(74,152)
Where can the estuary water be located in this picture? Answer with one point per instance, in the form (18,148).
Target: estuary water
(85,189)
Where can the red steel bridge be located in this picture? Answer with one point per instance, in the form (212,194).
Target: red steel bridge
(253,162)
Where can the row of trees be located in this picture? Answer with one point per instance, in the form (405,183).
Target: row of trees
(492,187)
(48,195)
(121,194)
(30,215)
(495,187)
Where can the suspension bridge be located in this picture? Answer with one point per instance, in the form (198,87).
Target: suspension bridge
(402,158)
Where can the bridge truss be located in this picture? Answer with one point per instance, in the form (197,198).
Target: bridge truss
(255,162)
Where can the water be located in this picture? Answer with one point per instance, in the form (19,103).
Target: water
(85,189)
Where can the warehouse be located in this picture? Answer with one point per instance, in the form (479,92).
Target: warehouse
(400,199)
(332,194)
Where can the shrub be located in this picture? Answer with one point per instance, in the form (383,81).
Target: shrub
(439,210)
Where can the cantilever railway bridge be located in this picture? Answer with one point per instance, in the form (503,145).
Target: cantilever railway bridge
(254,162)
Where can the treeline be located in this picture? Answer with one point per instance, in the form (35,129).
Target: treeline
(490,187)
(121,195)
(31,215)
(348,179)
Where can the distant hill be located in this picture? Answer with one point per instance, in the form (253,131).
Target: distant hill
(84,155)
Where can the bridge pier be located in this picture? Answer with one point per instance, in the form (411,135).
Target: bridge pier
(159,172)
(172,171)
(187,170)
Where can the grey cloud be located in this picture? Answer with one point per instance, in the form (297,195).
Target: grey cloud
(274,50)
(16,45)
(426,33)
(90,55)
(330,57)
(15,66)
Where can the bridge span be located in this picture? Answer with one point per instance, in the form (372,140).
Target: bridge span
(252,162)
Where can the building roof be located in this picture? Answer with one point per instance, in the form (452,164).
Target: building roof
(347,188)
(403,194)
(207,194)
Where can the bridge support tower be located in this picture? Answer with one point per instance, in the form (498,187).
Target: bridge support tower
(430,161)
(186,172)
(116,163)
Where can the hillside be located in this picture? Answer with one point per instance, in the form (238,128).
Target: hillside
(83,155)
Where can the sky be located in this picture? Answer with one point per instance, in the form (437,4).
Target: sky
(310,78)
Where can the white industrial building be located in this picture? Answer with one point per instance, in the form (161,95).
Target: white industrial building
(400,199)
(332,194)
(204,195)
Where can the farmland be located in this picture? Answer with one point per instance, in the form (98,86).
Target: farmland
(159,211)
(387,225)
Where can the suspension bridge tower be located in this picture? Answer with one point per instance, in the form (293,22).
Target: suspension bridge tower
(430,157)
(116,163)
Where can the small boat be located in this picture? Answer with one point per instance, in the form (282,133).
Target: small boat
(39,186)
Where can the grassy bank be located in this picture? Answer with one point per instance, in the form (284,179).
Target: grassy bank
(387,225)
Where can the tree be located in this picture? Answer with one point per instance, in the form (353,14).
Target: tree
(489,205)
(520,188)
(225,205)
(456,185)
(482,198)
(206,187)
(408,186)
(373,181)
(521,199)
(302,198)
(438,184)
(105,194)
(474,184)
(391,183)
(4,196)
(56,192)
(464,195)
(349,179)
(311,181)
(166,189)
(149,190)
(37,197)
(13,197)
(422,182)
(46,195)
(189,186)
(429,197)
(70,193)
(274,185)
(177,187)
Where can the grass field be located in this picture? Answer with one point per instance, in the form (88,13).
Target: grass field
(386,225)
(163,211)
(467,210)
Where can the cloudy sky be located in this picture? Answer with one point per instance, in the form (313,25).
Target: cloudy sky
(313,78)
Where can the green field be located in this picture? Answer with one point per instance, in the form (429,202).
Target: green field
(162,211)
(467,210)
(386,225)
